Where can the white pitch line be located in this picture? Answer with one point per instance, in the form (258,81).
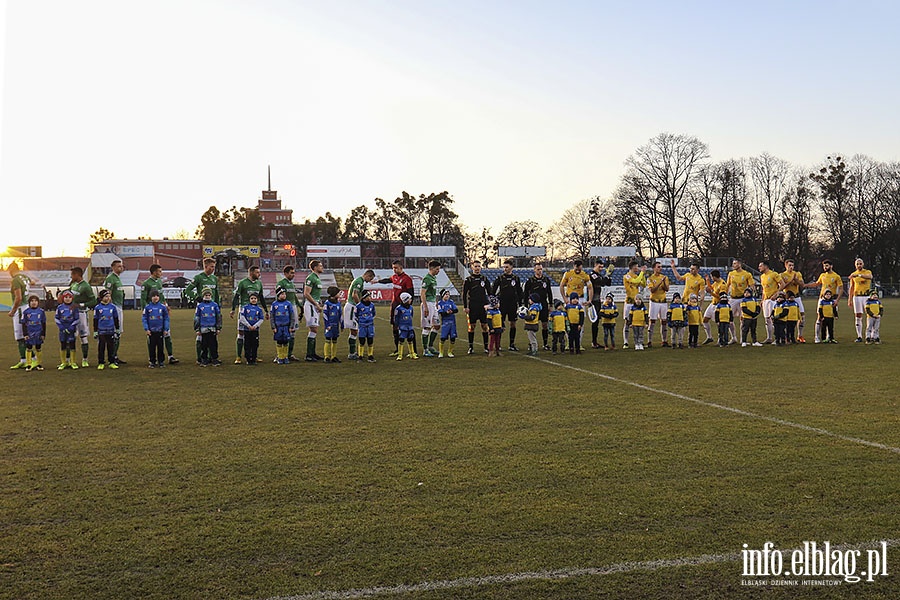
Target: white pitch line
(554,574)
(738,411)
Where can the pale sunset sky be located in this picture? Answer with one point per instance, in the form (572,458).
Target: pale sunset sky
(137,117)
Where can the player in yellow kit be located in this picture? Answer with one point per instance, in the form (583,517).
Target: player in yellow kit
(693,281)
(770,282)
(828,280)
(658,285)
(575,281)
(858,293)
(716,286)
(634,280)
(739,279)
(792,281)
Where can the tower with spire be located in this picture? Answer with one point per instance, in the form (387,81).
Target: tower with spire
(275,220)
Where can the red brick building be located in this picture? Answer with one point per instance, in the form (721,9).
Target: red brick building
(171,254)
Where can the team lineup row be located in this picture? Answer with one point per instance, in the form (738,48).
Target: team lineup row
(495,305)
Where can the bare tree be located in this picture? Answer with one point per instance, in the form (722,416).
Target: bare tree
(655,185)
(771,183)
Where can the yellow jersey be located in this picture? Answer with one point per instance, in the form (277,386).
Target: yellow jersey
(793,310)
(574,313)
(751,305)
(638,316)
(861,286)
(694,314)
(608,314)
(676,313)
(826,308)
(558,321)
(723,313)
(739,281)
(693,284)
(793,281)
(874,308)
(770,281)
(718,288)
(830,281)
(496,318)
(575,282)
(633,284)
(660,294)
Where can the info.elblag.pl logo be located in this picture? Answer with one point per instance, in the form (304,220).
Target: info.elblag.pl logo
(813,564)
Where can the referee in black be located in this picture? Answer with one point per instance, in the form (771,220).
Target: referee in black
(508,288)
(543,286)
(600,278)
(476,289)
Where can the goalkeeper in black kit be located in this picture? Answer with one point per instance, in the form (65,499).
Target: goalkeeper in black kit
(508,289)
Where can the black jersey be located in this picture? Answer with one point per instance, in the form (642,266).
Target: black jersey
(598,282)
(475,291)
(508,288)
(543,287)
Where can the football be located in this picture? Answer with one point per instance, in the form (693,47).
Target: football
(523,312)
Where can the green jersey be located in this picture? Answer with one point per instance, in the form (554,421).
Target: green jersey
(429,284)
(19,283)
(148,286)
(355,287)
(314,285)
(83,294)
(200,282)
(290,289)
(114,284)
(242,293)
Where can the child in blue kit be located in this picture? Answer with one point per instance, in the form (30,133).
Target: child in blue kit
(447,309)
(282,312)
(251,319)
(333,316)
(106,329)
(365,319)
(34,327)
(208,324)
(155,320)
(67,320)
(403,319)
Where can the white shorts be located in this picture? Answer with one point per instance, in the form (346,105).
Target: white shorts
(121,314)
(350,316)
(710,312)
(768,308)
(17,324)
(859,304)
(658,311)
(311,314)
(84,332)
(626,310)
(431,320)
(799,300)
(736,311)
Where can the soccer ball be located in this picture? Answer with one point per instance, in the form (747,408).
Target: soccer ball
(523,312)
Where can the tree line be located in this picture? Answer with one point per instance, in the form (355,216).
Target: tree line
(671,200)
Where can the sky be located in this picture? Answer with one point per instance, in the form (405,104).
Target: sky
(137,117)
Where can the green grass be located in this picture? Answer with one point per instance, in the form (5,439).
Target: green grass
(253,482)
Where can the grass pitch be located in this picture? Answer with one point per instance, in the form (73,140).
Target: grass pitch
(256,482)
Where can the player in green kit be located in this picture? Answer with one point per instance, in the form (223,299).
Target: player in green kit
(113,283)
(204,280)
(84,298)
(312,294)
(354,297)
(287,284)
(250,283)
(154,282)
(18,289)
(431,321)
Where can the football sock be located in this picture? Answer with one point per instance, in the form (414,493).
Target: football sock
(546,335)
(485,336)
(707,328)
(352,344)
(240,347)
(291,346)
(471,338)
(311,344)
(63,357)
(21,344)
(431,338)
(424,339)
(512,335)
(199,346)
(858,326)
(168,341)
